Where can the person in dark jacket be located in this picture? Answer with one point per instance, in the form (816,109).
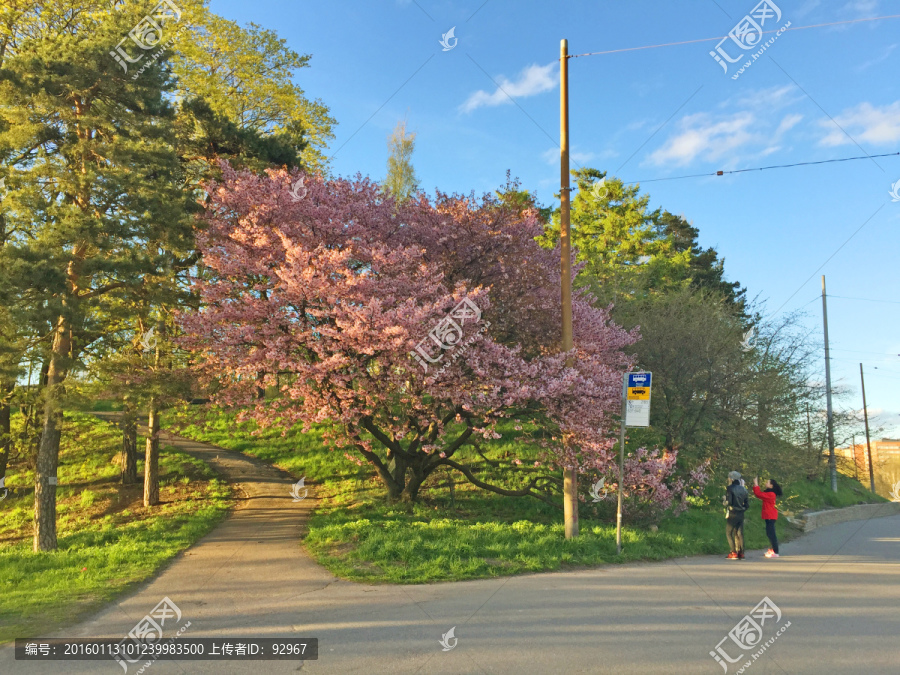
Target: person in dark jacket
(769,511)
(736,502)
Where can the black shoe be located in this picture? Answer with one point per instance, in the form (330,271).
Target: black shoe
(740,555)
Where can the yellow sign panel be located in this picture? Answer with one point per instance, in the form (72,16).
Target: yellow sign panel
(638,393)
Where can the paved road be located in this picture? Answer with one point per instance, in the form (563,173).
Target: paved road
(839,588)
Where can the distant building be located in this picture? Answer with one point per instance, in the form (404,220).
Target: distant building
(884,450)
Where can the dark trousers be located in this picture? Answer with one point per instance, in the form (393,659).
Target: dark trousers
(770,533)
(734,532)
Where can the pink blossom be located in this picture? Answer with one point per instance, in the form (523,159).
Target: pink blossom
(328,298)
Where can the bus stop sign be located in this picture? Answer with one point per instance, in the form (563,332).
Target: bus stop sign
(637,399)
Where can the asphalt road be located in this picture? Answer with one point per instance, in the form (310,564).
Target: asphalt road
(837,591)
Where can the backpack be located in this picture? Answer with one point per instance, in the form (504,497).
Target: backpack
(737,500)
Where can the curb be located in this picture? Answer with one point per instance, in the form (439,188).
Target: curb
(817,519)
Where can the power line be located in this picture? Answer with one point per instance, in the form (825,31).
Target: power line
(856,360)
(847,241)
(765,32)
(818,297)
(844,297)
(856,351)
(764,168)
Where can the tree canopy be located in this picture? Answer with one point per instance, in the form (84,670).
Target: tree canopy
(401,181)
(413,327)
(101,167)
(629,251)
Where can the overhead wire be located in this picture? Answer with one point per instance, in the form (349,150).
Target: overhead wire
(865,361)
(856,351)
(763,168)
(765,32)
(847,241)
(844,297)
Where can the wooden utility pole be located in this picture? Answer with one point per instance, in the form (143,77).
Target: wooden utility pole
(570,478)
(862,379)
(832,461)
(621,465)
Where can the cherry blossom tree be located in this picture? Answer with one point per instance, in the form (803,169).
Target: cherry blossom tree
(412,328)
(651,486)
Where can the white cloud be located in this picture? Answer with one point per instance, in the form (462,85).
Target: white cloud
(878,59)
(747,126)
(878,125)
(788,123)
(581,157)
(703,135)
(532,80)
(887,420)
(765,99)
(864,8)
(551,156)
(806,8)
(856,9)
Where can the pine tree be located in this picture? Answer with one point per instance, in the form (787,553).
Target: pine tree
(93,181)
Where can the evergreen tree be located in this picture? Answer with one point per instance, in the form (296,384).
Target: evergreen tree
(245,76)
(93,179)
(629,251)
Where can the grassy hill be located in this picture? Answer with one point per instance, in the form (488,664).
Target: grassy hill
(460,532)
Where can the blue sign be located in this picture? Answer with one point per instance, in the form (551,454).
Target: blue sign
(639,380)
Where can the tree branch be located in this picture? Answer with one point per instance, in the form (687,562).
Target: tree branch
(527,491)
(367,424)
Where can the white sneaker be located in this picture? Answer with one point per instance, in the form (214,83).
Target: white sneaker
(769,553)
(774,555)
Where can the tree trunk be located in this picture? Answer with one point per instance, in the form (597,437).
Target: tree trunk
(129,445)
(397,469)
(5,428)
(48,450)
(151,459)
(410,493)
(32,429)
(418,474)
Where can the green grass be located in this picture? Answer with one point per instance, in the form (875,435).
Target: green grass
(817,495)
(301,454)
(357,536)
(399,546)
(107,540)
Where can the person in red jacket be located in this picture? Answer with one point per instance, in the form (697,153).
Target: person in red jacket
(769,511)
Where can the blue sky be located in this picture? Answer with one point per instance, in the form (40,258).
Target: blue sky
(815,94)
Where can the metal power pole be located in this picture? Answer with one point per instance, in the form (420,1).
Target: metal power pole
(621,466)
(832,462)
(862,379)
(808,432)
(570,478)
